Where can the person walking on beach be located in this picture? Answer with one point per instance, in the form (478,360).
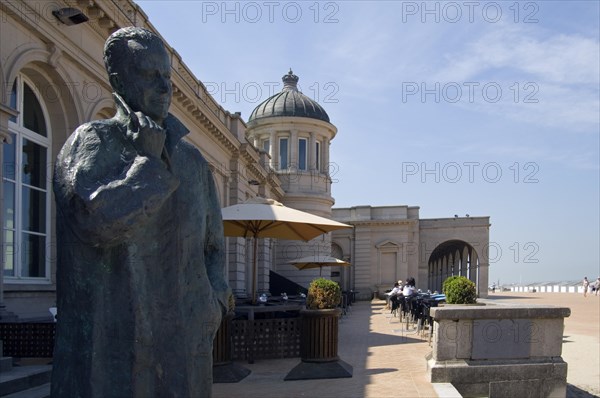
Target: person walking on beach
(586,284)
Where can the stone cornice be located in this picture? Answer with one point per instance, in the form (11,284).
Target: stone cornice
(106,16)
(259,126)
(367,223)
(457,222)
(250,159)
(196,108)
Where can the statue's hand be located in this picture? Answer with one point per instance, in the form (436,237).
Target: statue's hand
(147,136)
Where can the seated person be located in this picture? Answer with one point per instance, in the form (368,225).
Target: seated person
(396,290)
(409,287)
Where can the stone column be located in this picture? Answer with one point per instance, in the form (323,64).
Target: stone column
(325,156)
(294,150)
(447,267)
(272,146)
(434,274)
(431,280)
(312,155)
(469,262)
(443,263)
(5,114)
(463,261)
(473,271)
(482,283)
(275,153)
(456,263)
(438,274)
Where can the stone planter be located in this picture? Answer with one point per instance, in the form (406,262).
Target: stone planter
(467,305)
(499,350)
(319,347)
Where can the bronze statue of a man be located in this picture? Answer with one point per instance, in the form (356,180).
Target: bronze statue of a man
(141,271)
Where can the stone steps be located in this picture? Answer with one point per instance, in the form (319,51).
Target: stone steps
(42,391)
(26,381)
(5,364)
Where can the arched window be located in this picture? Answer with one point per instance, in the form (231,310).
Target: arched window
(26,182)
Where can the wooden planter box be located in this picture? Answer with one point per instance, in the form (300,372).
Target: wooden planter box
(320,327)
(319,347)
(224,369)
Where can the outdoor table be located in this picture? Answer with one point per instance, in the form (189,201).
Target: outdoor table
(250,310)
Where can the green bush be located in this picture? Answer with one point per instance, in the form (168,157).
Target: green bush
(323,294)
(459,290)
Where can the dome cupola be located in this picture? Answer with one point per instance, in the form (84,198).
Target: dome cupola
(289,102)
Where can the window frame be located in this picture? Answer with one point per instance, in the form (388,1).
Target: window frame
(318,155)
(303,159)
(19,133)
(284,162)
(265,145)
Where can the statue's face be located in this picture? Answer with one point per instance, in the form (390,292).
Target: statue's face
(147,82)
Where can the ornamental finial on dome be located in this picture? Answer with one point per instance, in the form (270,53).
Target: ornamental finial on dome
(290,81)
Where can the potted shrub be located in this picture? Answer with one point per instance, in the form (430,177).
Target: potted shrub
(459,290)
(319,334)
(323,294)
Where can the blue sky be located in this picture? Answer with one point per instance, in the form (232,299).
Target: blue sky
(481,108)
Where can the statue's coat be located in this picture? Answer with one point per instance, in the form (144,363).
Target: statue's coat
(140,266)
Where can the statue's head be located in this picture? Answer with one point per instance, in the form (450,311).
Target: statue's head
(139,71)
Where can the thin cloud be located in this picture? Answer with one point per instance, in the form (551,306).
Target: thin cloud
(567,59)
(561,72)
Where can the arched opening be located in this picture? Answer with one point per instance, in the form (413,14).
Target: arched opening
(450,258)
(339,274)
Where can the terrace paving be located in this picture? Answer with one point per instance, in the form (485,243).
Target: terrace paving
(389,361)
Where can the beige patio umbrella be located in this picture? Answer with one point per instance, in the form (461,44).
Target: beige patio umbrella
(267,218)
(318,262)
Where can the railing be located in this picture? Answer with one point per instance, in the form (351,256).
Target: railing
(28,340)
(265,338)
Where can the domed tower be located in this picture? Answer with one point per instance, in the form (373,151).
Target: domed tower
(296,132)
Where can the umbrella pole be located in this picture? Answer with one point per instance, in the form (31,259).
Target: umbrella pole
(254,270)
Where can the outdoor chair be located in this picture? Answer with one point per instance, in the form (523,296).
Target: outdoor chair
(396,303)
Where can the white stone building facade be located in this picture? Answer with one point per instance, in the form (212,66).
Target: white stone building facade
(53,80)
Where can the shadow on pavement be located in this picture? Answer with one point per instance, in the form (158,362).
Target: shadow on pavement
(576,392)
